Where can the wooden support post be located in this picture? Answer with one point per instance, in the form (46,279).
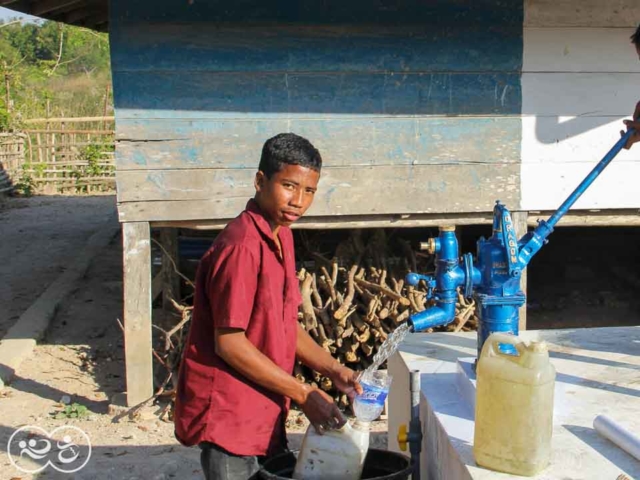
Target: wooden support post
(170,281)
(520,224)
(137,311)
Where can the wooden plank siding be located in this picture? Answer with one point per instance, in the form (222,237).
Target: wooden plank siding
(495,14)
(346,191)
(424,105)
(583,13)
(217,143)
(532,92)
(425,44)
(580,79)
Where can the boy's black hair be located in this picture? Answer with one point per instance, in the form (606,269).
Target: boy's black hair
(291,149)
(635,38)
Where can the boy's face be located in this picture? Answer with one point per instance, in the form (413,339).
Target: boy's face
(287,195)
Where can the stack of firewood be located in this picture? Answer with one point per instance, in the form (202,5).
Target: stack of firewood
(350,311)
(351,303)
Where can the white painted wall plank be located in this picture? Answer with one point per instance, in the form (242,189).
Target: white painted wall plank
(579,50)
(583,13)
(580,94)
(571,139)
(581,79)
(547,185)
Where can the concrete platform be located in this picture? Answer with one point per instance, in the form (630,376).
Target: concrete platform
(598,372)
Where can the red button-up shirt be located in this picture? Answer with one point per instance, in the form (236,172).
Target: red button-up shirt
(242,282)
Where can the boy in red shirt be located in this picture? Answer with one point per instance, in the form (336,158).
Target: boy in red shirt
(236,382)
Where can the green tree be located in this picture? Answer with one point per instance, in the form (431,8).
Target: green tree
(52,69)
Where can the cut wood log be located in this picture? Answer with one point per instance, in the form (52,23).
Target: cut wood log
(326,384)
(462,319)
(357,322)
(401,317)
(364,335)
(298,372)
(317,299)
(334,271)
(412,300)
(351,357)
(384,290)
(383,279)
(349,329)
(328,283)
(322,339)
(308,314)
(341,312)
(367,347)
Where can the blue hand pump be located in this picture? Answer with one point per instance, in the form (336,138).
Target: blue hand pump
(494,278)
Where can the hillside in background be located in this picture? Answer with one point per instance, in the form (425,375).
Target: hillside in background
(51,69)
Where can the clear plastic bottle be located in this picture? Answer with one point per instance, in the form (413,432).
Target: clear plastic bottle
(368,406)
(336,455)
(514,407)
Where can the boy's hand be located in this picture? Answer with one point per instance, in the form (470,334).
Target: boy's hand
(321,410)
(635,124)
(346,380)
(636,135)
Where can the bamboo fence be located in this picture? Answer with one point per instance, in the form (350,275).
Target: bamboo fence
(64,155)
(11,158)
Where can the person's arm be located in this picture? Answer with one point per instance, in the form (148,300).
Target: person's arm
(318,359)
(238,352)
(635,124)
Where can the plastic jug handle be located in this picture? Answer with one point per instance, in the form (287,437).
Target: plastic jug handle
(496,339)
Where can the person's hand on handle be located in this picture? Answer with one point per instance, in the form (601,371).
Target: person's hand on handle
(633,124)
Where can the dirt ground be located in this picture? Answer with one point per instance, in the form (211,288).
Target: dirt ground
(82,356)
(39,236)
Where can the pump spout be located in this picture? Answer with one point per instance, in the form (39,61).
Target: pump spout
(436,316)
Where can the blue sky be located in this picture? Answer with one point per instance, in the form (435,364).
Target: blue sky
(6,14)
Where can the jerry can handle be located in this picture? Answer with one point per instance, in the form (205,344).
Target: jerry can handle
(495,339)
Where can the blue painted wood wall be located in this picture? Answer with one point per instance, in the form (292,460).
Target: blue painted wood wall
(415,108)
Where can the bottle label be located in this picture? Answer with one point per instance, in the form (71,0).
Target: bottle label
(373,395)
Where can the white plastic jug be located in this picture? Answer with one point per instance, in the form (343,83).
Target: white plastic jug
(514,407)
(336,455)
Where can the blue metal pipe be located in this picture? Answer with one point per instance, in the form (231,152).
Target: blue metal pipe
(432,317)
(448,278)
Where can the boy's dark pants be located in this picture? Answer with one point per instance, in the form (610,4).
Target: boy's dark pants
(218,464)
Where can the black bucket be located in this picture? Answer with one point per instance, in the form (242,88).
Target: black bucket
(379,465)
